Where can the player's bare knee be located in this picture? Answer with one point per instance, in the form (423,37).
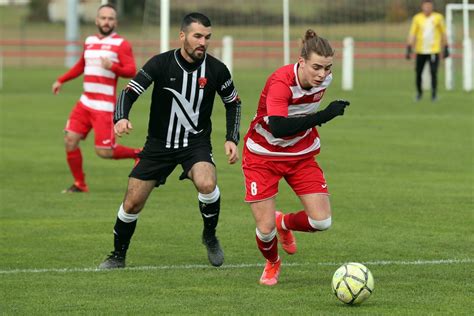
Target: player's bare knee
(132,207)
(70,143)
(209,197)
(104,153)
(206,186)
(266,234)
(126,217)
(319,225)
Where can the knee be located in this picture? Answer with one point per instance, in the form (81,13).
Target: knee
(210,197)
(266,234)
(206,186)
(266,226)
(319,225)
(70,143)
(126,217)
(132,207)
(104,153)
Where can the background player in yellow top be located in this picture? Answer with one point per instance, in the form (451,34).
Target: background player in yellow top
(427,36)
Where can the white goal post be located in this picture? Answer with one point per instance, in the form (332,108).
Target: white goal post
(227,52)
(348,64)
(467,46)
(164,25)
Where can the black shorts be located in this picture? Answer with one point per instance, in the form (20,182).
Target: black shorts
(159,168)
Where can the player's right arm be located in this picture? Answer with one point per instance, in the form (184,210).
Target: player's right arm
(123,126)
(143,79)
(281,125)
(411,39)
(74,72)
(287,126)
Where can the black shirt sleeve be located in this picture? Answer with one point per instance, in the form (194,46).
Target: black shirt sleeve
(232,103)
(286,126)
(143,79)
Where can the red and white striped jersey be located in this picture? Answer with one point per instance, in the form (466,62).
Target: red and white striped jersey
(100,83)
(284,96)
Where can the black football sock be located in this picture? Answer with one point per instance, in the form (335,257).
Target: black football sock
(210,216)
(123,233)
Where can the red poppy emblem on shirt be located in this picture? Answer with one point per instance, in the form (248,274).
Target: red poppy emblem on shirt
(318,96)
(202,82)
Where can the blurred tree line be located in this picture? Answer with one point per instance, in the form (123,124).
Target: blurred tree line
(334,11)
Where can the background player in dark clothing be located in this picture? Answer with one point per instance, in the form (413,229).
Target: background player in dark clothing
(185,82)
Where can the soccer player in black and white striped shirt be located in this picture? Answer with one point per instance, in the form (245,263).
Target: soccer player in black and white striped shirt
(185,82)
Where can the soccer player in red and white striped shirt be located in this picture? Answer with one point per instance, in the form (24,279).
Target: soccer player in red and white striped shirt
(106,57)
(281,143)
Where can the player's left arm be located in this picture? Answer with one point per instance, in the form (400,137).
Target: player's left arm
(232,103)
(444,38)
(126,66)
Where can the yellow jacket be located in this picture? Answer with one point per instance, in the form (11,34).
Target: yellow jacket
(428,32)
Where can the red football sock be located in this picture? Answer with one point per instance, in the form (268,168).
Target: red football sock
(298,222)
(122,152)
(268,249)
(74,160)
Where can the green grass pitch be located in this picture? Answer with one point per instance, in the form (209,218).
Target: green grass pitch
(400,175)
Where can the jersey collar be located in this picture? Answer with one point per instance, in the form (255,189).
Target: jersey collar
(101,37)
(184,64)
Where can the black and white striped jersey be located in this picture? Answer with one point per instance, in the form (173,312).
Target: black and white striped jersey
(182,99)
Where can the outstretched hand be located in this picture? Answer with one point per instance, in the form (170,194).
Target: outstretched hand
(56,87)
(408,52)
(123,126)
(446,53)
(337,107)
(232,152)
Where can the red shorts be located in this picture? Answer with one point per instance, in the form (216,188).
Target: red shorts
(262,176)
(82,120)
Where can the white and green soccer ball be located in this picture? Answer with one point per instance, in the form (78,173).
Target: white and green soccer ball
(352,283)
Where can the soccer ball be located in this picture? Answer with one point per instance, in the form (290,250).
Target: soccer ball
(352,283)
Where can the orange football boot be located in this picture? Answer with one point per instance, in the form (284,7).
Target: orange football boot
(286,237)
(270,273)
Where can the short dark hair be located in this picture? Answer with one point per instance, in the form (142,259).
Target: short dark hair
(107,5)
(195,17)
(427,1)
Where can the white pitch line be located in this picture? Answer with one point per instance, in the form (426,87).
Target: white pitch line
(238,266)
(408,117)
